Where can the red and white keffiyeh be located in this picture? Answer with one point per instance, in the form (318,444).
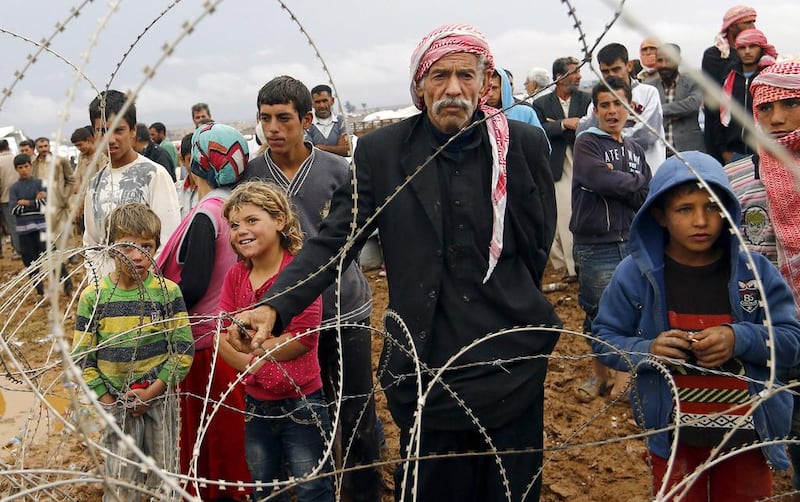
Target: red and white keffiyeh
(451,39)
(753,36)
(747,37)
(778,82)
(734,15)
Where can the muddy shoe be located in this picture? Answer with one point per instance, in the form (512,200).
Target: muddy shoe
(590,389)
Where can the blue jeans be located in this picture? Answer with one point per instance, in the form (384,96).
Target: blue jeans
(595,264)
(293,433)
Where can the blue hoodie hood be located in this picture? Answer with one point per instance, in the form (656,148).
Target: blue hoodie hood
(647,237)
(521,112)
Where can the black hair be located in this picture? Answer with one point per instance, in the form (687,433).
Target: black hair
(186,145)
(81,134)
(27,142)
(612,52)
(159,127)
(22,158)
(284,90)
(613,84)
(4,145)
(142,133)
(109,103)
(200,106)
(42,138)
(322,88)
(561,66)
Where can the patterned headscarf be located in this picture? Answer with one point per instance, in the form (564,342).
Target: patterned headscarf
(750,36)
(778,82)
(452,39)
(734,15)
(219,154)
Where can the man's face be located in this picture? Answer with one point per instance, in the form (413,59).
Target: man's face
(611,112)
(531,86)
(647,53)
(27,150)
(667,68)
(322,103)
(779,118)
(200,115)
(495,96)
(84,146)
(120,140)
(43,147)
(451,89)
(617,69)
(156,136)
(572,81)
(282,127)
(749,54)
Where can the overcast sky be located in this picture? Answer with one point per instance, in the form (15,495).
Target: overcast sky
(366,45)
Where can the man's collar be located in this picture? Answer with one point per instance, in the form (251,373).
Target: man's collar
(333,118)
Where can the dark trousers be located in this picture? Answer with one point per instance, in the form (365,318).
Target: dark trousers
(477,477)
(357,406)
(31,248)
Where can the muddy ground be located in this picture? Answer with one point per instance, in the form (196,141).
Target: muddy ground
(588,457)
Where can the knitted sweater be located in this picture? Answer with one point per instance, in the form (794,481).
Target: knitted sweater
(30,218)
(130,336)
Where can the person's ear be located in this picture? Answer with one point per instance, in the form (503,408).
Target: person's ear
(658,214)
(487,81)
(307,119)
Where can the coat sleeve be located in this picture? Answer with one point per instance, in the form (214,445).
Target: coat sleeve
(590,172)
(615,328)
(179,339)
(652,116)
(551,127)
(686,106)
(316,263)
(536,154)
(751,338)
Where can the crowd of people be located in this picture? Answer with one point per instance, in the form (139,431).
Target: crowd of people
(226,279)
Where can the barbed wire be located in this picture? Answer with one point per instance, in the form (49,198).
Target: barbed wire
(58,374)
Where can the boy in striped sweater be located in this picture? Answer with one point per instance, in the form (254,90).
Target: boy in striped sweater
(132,334)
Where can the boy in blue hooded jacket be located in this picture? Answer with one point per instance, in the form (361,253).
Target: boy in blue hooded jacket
(687,297)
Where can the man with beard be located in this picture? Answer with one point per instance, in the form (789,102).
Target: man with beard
(560,111)
(58,195)
(680,102)
(465,244)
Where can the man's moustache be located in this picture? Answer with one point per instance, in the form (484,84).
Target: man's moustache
(461,103)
